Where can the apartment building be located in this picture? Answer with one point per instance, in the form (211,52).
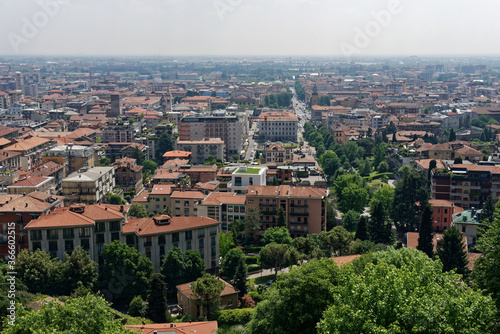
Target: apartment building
(304,207)
(244,176)
(89,185)
(228,128)
(442,214)
(21,209)
(277,154)
(73,157)
(128,174)
(223,207)
(467,186)
(10,160)
(202,149)
(155,236)
(201,173)
(32,151)
(31,184)
(278,126)
(185,203)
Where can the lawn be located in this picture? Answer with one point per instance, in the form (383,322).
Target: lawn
(249,171)
(260,280)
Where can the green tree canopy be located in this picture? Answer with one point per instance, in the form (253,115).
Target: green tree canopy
(379,154)
(137,211)
(350,220)
(452,252)
(79,270)
(89,314)
(179,268)
(279,235)
(207,290)
(281,217)
(274,256)
(157,301)
(226,243)
(230,262)
(354,198)
(384,195)
(125,273)
(425,232)
(39,271)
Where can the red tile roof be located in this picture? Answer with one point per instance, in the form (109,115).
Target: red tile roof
(201,327)
(60,219)
(186,289)
(149,226)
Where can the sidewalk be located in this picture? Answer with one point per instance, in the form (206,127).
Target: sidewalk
(266,272)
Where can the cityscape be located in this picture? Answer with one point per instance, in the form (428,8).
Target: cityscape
(152,185)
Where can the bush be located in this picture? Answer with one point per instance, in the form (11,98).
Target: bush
(252,259)
(238,316)
(137,307)
(253,267)
(255,295)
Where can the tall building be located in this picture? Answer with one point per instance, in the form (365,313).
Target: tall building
(166,102)
(279,126)
(89,185)
(116,106)
(228,128)
(28,83)
(315,96)
(202,149)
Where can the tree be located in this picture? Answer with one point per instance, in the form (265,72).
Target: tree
(274,256)
(384,195)
(279,235)
(194,266)
(350,220)
(452,252)
(40,272)
(79,269)
(149,167)
(343,181)
(336,241)
(432,165)
(354,198)
(231,261)
(330,163)
(486,269)
(207,290)
(253,223)
(116,200)
(281,217)
(125,273)
(137,307)
(173,267)
(297,300)
(165,144)
(157,301)
(226,243)
(137,211)
(362,229)
(240,276)
(383,167)
(452,136)
(379,154)
(425,232)
(138,155)
(388,298)
(411,191)
(89,314)
(380,227)
(487,213)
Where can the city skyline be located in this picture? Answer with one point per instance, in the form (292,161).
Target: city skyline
(246,28)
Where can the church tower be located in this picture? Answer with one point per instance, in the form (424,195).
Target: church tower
(315,96)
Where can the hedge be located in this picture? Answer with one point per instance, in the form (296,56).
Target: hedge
(239,316)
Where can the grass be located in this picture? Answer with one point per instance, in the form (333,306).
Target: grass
(260,280)
(249,171)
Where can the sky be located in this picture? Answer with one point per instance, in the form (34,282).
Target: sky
(249,27)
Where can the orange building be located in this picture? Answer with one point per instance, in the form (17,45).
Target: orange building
(442,214)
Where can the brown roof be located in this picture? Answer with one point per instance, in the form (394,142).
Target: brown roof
(186,289)
(188,194)
(47,169)
(98,212)
(286,191)
(424,163)
(162,189)
(149,226)
(412,240)
(141,197)
(200,327)
(32,181)
(224,198)
(60,219)
(27,144)
(177,154)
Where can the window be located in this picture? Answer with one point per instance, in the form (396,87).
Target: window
(250,201)
(100,238)
(37,245)
(189,235)
(237,181)
(201,244)
(188,245)
(52,234)
(85,243)
(68,245)
(162,251)
(161,240)
(35,235)
(85,232)
(445,220)
(175,237)
(68,233)
(213,230)
(115,236)
(100,227)
(52,246)
(212,249)
(114,226)
(230,303)
(463,229)
(201,233)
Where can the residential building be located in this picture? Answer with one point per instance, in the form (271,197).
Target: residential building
(168,176)
(32,184)
(276,154)
(10,160)
(73,157)
(228,128)
(171,155)
(158,199)
(188,304)
(155,236)
(199,173)
(87,226)
(278,127)
(442,214)
(304,207)
(128,174)
(244,176)
(202,149)
(467,222)
(21,209)
(89,185)
(185,203)
(200,327)
(32,151)
(116,106)
(224,207)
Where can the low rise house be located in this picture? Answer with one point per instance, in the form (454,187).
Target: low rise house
(89,185)
(188,305)
(468,223)
(128,174)
(243,177)
(186,203)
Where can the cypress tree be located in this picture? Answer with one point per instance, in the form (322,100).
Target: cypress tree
(452,253)
(425,232)
(157,301)
(362,229)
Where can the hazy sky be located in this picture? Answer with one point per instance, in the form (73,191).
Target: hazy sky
(249,27)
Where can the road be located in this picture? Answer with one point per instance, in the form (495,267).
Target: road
(251,146)
(300,109)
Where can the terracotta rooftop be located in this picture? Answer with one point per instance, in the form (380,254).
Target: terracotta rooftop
(162,189)
(286,191)
(190,194)
(148,226)
(60,219)
(201,327)
(186,289)
(141,197)
(224,198)
(27,144)
(98,212)
(177,154)
(33,181)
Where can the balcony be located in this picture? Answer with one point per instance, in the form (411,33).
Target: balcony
(299,213)
(295,205)
(267,204)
